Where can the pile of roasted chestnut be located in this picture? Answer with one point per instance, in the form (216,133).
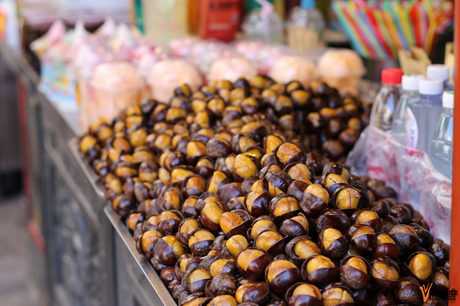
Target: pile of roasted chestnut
(222,197)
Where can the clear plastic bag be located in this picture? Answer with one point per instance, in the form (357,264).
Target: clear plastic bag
(410,173)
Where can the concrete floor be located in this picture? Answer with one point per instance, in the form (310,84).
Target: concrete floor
(16,285)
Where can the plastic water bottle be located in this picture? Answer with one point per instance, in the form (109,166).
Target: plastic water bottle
(422,116)
(387,99)
(440,151)
(439,72)
(409,96)
(305,24)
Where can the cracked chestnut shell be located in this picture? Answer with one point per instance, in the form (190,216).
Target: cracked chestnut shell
(385,274)
(210,215)
(289,152)
(299,171)
(196,280)
(440,282)
(229,191)
(333,243)
(189,207)
(252,262)
(367,217)
(236,222)
(283,207)
(185,229)
(319,270)
(314,200)
(440,251)
(301,248)
(401,213)
(425,238)
(236,244)
(204,167)
(297,188)
(281,274)
(337,294)
(169,222)
(123,205)
(261,224)
(347,198)
(217,181)
(167,276)
(408,292)
(193,185)
(332,181)
(221,300)
(303,294)
(167,250)
(405,237)
(146,242)
(221,284)
(362,238)
(200,242)
(185,264)
(258,293)
(421,265)
(276,182)
(297,226)
(271,241)
(333,218)
(257,203)
(222,264)
(355,272)
(386,246)
(245,166)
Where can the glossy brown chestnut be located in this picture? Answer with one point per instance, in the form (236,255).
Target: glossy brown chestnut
(236,222)
(258,293)
(260,225)
(252,262)
(440,282)
(333,218)
(276,182)
(440,251)
(221,300)
(303,294)
(337,294)
(297,188)
(222,264)
(210,215)
(333,243)
(319,270)
(200,242)
(385,274)
(405,237)
(167,250)
(221,284)
(282,274)
(297,226)
(169,222)
(301,248)
(186,227)
(288,153)
(314,200)
(362,238)
(367,217)
(146,242)
(193,185)
(408,292)
(421,265)
(271,241)
(355,272)
(386,246)
(283,207)
(425,238)
(196,280)
(257,203)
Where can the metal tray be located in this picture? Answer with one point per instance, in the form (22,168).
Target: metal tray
(160,294)
(91,176)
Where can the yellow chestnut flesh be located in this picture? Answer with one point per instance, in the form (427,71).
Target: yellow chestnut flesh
(236,244)
(200,236)
(301,220)
(285,205)
(358,264)
(306,248)
(366,216)
(229,220)
(420,266)
(197,275)
(149,237)
(244,166)
(217,266)
(278,267)
(348,198)
(176,247)
(267,239)
(319,262)
(247,256)
(332,179)
(262,225)
(384,238)
(168,215)
(318,191)
(329,236)
(336,296)
(382,271)
(213,211)
(307,289)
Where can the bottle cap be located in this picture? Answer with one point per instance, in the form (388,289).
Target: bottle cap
(307,4)
(430,86)
(438,72)
(448,99)
(392,76)
(410,82)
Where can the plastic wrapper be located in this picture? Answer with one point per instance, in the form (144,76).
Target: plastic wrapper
(166,75)
(409,172)
(342,69)
(205,52)
(115,85)
(289,68)
(182,47)
(232,68)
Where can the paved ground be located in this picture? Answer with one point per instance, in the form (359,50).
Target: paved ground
(16,285)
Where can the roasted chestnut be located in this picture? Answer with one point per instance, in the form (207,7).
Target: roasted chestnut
(257,203)
(385,274)
(333,243)
(297,188)
(440,251)
(367,217)
(261,224)
(169,222)
(276,182)
(303,294)
(297,226)
(319,270)
(386,246)
(337,294)
(301,248)
(271,241)
(421,265)
(288,153)
(282,274)
(362,237)
(408,292)
(258,293)
(405,237)
(186,227)
(440,282)
(333,218)
(354,272)
(146,242)
(221,284)
(236,222)
(193,185)
(167,250)
(196,280)
(283,207)
(425,238)
(200,242)
(223,300)
(252,262)
(314,200)
(230,191)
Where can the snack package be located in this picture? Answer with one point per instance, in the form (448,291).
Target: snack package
(232,68)
(115,85)
(290,67)
(166,75)
(409,172)
(342,69)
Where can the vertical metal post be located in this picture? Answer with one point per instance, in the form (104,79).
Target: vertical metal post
(455,219)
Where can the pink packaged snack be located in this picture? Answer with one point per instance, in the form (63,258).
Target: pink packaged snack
(166,75)
(232,68)
(116,85)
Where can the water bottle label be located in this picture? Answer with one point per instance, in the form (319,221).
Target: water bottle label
(411,129)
